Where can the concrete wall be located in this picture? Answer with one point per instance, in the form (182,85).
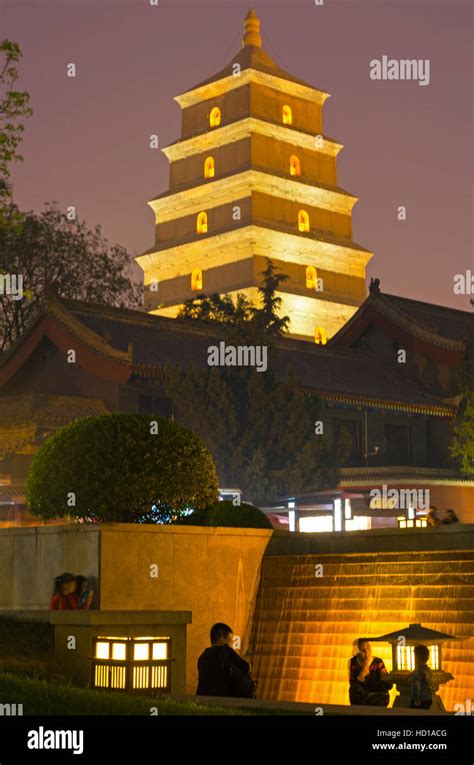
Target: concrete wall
(30,559)
(212,572)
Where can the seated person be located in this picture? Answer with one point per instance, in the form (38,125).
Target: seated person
(432,517)
(422,690)
(64,596)
(368,677)
(450,517)
(222,672)
(83,594)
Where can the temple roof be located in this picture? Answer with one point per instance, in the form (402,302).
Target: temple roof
(253,56)
(435,325)
(140,344)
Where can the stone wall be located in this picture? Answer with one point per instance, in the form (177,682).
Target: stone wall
(212,572)
(30,559)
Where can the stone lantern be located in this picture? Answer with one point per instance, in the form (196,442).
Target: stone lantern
(403,660)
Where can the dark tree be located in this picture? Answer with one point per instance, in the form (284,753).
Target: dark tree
(49,249)
(121,467)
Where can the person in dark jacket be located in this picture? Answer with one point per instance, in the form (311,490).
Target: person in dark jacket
(215,664)
(368,677)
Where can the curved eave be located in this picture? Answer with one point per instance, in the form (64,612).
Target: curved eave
(215,88)
(407,331)
(213,138)
(401,406)
(104,362)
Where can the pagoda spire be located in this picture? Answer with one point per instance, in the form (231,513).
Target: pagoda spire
(252,30)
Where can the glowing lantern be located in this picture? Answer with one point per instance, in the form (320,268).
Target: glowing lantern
(132,664)
(403,643)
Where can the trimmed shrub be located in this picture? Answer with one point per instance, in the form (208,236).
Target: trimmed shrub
(226,514)
(116,467)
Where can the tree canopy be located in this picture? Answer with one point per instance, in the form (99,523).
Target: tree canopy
(121,467)
(51,249)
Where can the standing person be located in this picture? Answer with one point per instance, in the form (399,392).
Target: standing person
(368,678)
(64,596)
(222,672)
(422,689)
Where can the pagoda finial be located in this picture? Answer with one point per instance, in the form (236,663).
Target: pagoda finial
(252,30)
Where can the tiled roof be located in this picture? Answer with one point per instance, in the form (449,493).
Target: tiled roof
(436,325)
(252,57)
(338,373)
(440,320)
(18,413)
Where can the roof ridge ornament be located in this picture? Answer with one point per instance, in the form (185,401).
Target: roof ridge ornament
(252,30)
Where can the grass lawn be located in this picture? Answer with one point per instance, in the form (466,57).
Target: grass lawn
(40,697)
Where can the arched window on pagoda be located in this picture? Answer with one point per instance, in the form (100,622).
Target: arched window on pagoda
(215,117)
(209,167)
(201,223)
(303,221)
(295,166)
(320,336)
(196,279)
(287,115)
(311,278)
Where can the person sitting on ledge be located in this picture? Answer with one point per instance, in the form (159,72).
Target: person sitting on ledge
(450,518)
(83,594)
(422,690)
(64,596)
(368,681)
(222,672)
(432,517)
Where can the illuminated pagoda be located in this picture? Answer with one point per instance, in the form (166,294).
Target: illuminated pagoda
(253,177)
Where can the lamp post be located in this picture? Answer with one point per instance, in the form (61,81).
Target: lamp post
(403,660)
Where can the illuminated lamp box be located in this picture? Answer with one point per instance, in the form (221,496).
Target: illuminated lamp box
(132,651)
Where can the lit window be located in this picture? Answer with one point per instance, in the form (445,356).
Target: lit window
(160,651)
(196,279)
(201,223)
(119,651)
(295,167)
(215,117)
(102,650)
(303,221)
(141,651)
(209,168)
(287,115)
(320,336)
(311,278)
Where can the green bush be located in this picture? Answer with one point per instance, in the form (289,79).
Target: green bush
(116,468)
(227,514)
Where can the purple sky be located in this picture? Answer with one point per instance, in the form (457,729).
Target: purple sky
(405,144)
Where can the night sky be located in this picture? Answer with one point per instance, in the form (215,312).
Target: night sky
(404,144)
